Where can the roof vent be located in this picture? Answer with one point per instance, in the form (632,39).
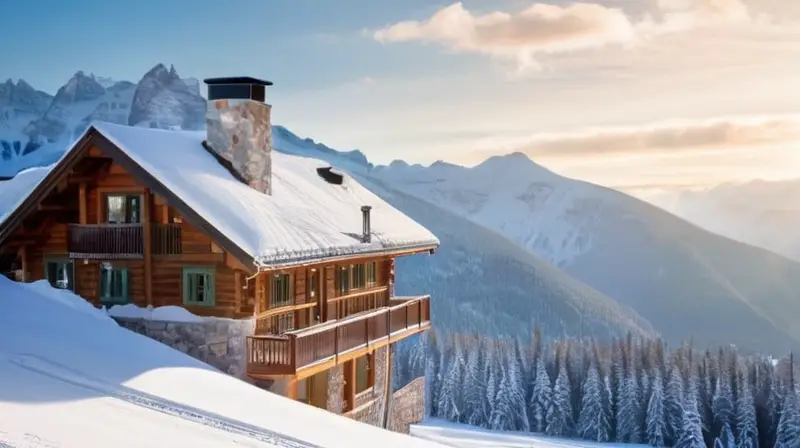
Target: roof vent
(331,175)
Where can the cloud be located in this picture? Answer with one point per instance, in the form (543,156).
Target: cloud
(552,29)
(669,138)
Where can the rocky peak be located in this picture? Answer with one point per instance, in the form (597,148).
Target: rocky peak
(22,97)
(79,88)
(162,99)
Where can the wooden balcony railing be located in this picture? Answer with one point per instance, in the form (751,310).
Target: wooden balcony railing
(122,241)
(166,239)
(290,352)
(110,241)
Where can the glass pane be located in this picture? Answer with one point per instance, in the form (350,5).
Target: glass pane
(134,209)
(116,209)
(202,283)
(52,273)
(62,280)
(362,374)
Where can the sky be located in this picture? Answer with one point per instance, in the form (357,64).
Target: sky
(633,94)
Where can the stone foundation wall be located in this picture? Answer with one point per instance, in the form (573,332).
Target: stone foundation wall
(218,342)
(408,406)
(335,401)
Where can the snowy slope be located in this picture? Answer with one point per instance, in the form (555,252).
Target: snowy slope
(464,436)
(670,272)
(71,377)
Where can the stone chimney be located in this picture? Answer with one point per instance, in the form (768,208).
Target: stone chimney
(238,128)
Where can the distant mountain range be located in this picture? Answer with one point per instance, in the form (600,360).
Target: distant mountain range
(762,213)
(506,226)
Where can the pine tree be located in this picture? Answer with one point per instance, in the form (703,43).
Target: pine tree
(475,387)
(540,399)
(788,435)
(722,402)
(691,435)
(519,408)
(492,385)
(726,437)
(673,406)
(628,413)
(450,396)
(502,418)
(746,424)
(593,421)
(559,417)
(655,413)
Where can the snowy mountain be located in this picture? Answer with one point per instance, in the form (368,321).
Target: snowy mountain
(35,127)
(762,213)
(660,269)
(508,291)
(670,272)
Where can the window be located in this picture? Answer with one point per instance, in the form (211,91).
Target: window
(312,281)
(371,276)
(364,377)
(123,209)
(198,286)
(113,285)
(60,274)
(280,294)
(359,276)
(343,280)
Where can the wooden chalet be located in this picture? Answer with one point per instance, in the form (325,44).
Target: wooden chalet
(154,218)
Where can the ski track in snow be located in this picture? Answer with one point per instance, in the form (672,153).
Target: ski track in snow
(76,378)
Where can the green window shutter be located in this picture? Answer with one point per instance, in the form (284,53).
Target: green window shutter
(191,286)
(124,295)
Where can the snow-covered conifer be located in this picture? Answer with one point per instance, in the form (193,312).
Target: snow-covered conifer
(593,422)
(541,396)
(746,423)
(559,417)
(655,413)
(691,434)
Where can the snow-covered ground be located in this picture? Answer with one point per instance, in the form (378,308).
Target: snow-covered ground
(463,436)
(71,377)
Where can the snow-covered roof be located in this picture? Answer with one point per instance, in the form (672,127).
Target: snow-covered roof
(304,219)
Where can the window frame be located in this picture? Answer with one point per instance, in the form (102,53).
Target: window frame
(369,368)
(371,274)
(125,195)
(114,300)
(186,271)
(273,288)
(60,259)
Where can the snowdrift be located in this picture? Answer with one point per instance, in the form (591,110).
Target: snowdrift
(71,377)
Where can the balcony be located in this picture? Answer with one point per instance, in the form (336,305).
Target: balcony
(337,341)
(121,241)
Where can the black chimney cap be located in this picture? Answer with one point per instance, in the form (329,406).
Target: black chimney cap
(237,80)
(240,88)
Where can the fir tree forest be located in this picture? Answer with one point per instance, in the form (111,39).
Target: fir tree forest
(628,391)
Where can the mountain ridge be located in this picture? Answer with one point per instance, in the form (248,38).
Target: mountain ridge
(671,274)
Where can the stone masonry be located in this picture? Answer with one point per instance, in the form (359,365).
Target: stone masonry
(218,342)
(240,132)
(335,401)
(408,406)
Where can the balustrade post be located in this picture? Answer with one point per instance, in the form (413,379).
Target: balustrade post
(366,331)
(419,313)
(293,349)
